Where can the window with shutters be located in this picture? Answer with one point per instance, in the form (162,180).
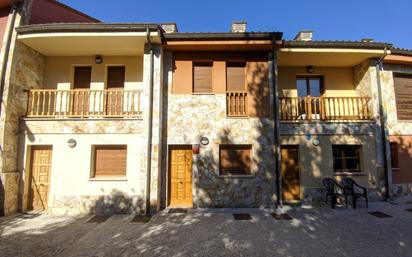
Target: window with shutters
(346,158)
(115,77)
(403,95)
(202,77)
(110,161)
(235,159)
(82,77)
(235,76)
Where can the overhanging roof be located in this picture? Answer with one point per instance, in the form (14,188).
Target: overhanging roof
(329,53)
(71,39)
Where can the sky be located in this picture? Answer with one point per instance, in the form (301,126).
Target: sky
(383,21)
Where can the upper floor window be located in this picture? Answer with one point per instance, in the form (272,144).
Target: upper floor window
(403,95)
(202,77)
(309,86)
(115,77)
(346,158)
(82,77)
(235,76)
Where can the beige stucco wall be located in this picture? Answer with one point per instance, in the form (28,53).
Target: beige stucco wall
(72,168)
(316,162)
(338,81)
(59,71)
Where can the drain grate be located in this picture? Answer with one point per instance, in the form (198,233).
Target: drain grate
(242,216)
(281,216)
(178,210)
(99,219)
(141,218)
(379,214)
(409,210)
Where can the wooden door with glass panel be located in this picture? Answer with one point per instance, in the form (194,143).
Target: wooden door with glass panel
(310,89)
(180,182)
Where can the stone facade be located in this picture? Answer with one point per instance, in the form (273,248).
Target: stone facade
(24,71)
(190,117)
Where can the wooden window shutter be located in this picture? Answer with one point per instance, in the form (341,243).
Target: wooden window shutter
(110,160)
(82,77)
(202,77)
(115,77)
(235,77)
(235,159)
(403,95)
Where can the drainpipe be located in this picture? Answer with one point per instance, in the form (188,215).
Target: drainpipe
(7,52)
(150,125)
(276,123)
(382,118)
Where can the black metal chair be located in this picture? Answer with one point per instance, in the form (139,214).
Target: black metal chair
(354,190)
(333,190)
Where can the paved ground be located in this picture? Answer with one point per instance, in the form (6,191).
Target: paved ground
(313,231)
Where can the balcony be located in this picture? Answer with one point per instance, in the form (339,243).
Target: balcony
(79,103)
(236,104)
(325,109)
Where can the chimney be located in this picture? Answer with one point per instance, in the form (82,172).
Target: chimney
(169,27)
(304,35)
(367,40)
(238,26)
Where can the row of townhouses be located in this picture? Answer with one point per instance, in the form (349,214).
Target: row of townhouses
(137,117)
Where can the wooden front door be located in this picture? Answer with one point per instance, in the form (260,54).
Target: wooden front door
(40,177)
(290,173)
(180,186)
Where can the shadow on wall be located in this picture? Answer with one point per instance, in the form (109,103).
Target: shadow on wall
(2,198)
(117,202)
(214,190)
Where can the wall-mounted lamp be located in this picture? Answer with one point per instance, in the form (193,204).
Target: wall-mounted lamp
(204,141)
(71,143)
(98,59)
(310,69)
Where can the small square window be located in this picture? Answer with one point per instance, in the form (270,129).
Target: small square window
(110,160)
(346,158)
(235,159)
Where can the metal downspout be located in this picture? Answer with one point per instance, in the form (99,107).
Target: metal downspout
(6,54)
(382,118)
(276,123)
(150,125)
(160,149)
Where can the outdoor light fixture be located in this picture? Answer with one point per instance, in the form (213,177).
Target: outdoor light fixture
(98,59)
(315,141)
(71,143)
(204,141)
(310,69)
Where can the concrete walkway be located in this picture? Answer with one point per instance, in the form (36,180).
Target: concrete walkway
(313,231)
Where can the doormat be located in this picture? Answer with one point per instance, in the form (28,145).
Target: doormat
(178,210)
(99,219)
(242,216)
(379,214)
(141,218)
(409,210)
(281,216)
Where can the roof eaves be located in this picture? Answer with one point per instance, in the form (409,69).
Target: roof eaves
(335,44)
(401,51)
(86,27)
(222,35)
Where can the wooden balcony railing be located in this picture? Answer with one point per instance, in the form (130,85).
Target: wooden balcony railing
(325,108)
(81,103)
(236,104)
